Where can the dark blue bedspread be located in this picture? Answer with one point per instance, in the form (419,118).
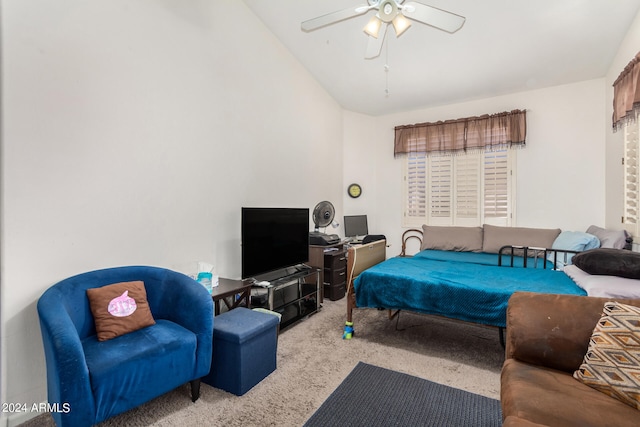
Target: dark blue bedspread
(472,291)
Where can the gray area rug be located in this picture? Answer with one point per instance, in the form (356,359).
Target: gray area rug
(313,360)
(371,396)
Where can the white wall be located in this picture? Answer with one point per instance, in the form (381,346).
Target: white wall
(133,132)
(559,180)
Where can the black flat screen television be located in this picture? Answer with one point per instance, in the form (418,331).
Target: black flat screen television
(273,239)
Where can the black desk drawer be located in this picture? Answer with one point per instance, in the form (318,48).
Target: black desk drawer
(334,292)
(335,277)
(335,260)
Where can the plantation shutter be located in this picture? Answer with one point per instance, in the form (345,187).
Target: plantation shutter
(496,185)
(415,189)
(631,177)
(440,187)
(468,189)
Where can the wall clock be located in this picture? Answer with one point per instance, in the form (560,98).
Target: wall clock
(354,190)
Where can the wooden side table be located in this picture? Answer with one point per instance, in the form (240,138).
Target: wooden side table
(227,290)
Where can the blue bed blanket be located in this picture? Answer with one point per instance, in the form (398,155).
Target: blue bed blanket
(436,284)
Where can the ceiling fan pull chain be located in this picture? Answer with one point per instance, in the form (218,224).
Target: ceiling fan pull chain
(386,70)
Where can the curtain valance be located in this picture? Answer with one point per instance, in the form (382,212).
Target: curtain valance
(626,94)
(487,132)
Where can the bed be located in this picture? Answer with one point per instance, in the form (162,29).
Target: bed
(463,285)
(438,282)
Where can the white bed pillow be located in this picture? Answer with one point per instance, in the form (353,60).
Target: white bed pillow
(604,286)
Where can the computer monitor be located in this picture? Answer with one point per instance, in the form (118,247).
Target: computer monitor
(355,226)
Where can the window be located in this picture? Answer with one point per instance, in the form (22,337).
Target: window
(466,189)
(460,172)
(630,216)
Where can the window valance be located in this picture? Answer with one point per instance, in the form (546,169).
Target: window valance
(626,94)
(487,132)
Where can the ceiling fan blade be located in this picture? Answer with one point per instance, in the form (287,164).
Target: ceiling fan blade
(332,18)
(432,16)
(374,45)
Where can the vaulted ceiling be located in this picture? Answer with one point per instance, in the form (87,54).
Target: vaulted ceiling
(505,46)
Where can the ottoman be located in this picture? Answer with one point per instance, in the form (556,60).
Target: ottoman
(244,349)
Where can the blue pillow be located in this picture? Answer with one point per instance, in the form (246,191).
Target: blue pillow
(572,241)
(576,241)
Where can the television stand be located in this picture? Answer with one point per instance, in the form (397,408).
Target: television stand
(295,296)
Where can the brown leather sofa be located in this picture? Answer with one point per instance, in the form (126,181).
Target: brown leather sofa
(546,340)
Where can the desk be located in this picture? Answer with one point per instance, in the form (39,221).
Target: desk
(227,290)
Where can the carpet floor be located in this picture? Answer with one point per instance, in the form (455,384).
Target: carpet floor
(313,360)
(371,396)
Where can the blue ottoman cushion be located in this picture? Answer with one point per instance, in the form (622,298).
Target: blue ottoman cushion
(244,349)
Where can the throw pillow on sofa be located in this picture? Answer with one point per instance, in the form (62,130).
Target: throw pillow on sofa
(571,241)
(609,262)
(576,241)
(496,237)
(615,239)
(119,308)
(612,362)
(443,238)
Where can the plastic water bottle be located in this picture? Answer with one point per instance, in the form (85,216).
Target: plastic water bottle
(205,280)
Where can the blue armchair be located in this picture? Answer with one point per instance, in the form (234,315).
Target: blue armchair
(94,380)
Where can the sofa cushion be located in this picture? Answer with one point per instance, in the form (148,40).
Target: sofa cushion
(132,362)
(551,330)
(609,262)
(467,239)
(612,362)
(554,398)
(496,237)
(119,308)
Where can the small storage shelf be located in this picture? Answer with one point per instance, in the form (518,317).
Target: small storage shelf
(294,296)
(335,274)
(332,262)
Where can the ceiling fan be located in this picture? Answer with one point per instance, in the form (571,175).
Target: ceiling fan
(393,12)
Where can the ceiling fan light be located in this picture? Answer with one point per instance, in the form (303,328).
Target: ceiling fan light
(400,24)
(373,27)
